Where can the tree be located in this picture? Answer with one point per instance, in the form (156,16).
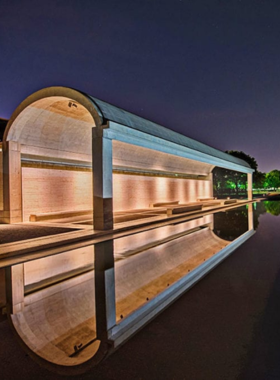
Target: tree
(273,207)
(259,180)
(226,181)
(245,157)
(273,179)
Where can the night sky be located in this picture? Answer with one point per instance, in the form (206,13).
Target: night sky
(207,69)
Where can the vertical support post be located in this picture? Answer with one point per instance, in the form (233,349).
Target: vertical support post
(102,167)
(104,288)
(250,186)
(15,288)
(250,217)
(211,193)
(12,183)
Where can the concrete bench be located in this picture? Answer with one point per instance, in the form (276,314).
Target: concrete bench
(229,201)
(163,204)
(215,202)
(183,208)
(59,215)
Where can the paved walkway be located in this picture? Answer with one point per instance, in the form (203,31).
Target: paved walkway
(224,328)
(131,219)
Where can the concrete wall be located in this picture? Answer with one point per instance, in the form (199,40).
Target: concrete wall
(132,156)
(138,191)
(133,191)
(46,189)
(50,190)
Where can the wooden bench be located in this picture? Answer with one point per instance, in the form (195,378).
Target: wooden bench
(59,215)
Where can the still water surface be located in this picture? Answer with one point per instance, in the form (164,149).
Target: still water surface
(72,299)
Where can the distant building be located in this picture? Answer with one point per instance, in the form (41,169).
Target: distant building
(58,135)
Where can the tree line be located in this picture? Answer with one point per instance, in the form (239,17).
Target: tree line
(231,183)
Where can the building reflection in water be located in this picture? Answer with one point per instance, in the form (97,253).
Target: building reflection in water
(72,308)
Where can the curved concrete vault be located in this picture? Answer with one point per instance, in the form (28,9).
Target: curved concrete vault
(58,137)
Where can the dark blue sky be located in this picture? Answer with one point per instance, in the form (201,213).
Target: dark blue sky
(207,69)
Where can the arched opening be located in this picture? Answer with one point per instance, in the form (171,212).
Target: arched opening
(48,144)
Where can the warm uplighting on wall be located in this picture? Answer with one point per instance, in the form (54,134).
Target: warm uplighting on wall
(55,190)
(131,193)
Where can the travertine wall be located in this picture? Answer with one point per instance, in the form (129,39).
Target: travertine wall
(132,156)
(133,191)
(50,190)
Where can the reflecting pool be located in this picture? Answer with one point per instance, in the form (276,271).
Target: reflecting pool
(71,309)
